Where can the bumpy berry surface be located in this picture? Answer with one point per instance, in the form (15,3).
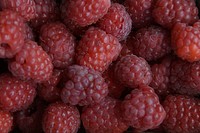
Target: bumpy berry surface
(182,114)
(12,30)
(186,41)
(140,12)
(61,118)
(133,71)
(59,43)
(86,12)
(150,43)
(142,109)
(25,8)
(169,12)
(32,62)
(97,49)
(103,117)
(85,86)
(116,22)
(6,122)
(15,94)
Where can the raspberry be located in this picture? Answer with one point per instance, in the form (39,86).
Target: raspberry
(150,43)
(61,118)
(141,109)
(6,122)
(103,117)
(169,12)
(12,30)
(116,22)
(186,41)
(182,114)
(59,43)
(15,94)
(86,12)
(32,62)
(184,77)
(29,33)
(85,86)
(140,12)
(132,71)
(25,8)
(97,49)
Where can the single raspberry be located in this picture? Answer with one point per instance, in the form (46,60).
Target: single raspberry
(25,8)
(150,43)
(182,114)
(86,12)
(12,29)
(116,22)
(184,77)
(103,117)
(132,71)
(186,41)
(15,94)
(85,86)
(29,33)
(169,12)
(32,62)
(59,43)
(61,118)
(6,121)
(97,49)
(140,12)
(142,110)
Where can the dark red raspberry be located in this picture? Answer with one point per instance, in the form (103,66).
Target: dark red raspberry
(86,12)
(182,114)
(186,41)
(59,43)
(25,8)
(140,12)
(150,43)
(29,33)
(103,117)
(116,22)
(125,49)
(6,122)
(85,86)
(15,94)
(142,109)
(61,118)
(12,30)
(97,49)
(169,12)
(132,71)
(184,77)
(32,62)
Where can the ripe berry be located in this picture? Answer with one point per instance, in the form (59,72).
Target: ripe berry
(85,86)
(61,118)
(6,122)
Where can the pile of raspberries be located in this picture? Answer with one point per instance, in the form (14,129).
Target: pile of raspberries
(99,66)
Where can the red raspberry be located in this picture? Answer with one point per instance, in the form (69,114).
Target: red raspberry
(97,49)
(86,12)
(150,43)
(182,114)
(140,12)
(186,41)
(6,122)
(142,109)
(59,43)
(169,12)
(85,86)
(132,71)
(116,22)
(15,94)
(29,33)
(103,117)
(32,62)
(61,118)
(12,30)
(25,8)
